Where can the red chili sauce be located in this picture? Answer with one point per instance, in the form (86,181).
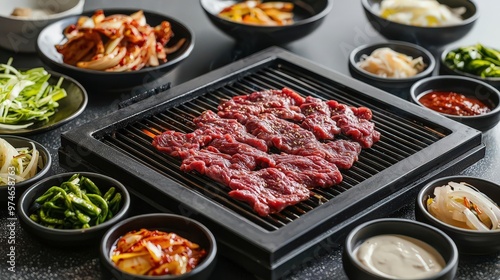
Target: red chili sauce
(453,103)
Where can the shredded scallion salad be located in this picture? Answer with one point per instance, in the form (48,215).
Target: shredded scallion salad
(26,96)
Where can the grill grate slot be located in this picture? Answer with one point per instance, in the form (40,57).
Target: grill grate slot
(401,138)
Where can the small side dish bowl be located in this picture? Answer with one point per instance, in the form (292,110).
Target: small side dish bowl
(426,36)
(448,69)
(386,83)
(468,241)
(71,236)
(53,35)
(307,16)
(18,32)
(13,189)
(470,88)
(69,107)
(434,238)
(183,227)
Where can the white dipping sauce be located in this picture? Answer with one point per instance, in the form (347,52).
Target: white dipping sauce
(399,257)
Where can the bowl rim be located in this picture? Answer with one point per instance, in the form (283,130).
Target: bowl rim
(471,19)
(416,97)
(104,253)
(444,64)
(45,168)
(36,226)
(427,71)
(71,11)
(44,57)
(425,212)
(313,18)
(350,249)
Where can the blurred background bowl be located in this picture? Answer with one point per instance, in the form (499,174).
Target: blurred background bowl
(391,226)
(424,36)
(69,238)
(52,35)
(391,84)
(19,34)
(185,227)
(308,15)
(468,87)
(447,69)
(45,170)
(468,241)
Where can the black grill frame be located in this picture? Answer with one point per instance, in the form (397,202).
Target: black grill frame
(428,144)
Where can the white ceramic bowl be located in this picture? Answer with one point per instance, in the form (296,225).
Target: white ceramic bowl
(19,33)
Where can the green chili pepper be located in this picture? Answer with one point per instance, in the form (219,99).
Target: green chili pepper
(84,205)
(35,218)
(48,193)
(72,188)
(107,196)
(68,213)
(49,220)
(75,178)
(101,203)
(56,197)
(84,219)
(91,187)
(494,61)
(474,64)
(114,204)
(489,52)
(51,205)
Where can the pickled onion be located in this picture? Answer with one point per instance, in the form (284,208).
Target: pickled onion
(461,205)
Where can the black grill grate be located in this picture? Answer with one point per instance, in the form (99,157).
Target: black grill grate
(401,138)
(415,147)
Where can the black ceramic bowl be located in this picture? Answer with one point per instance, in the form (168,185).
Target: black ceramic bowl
(427,36)
(468,87)
(93,79)
(68,238)
(69,108)
(308,15)
(12,191)
(182,226)
(468,241)
(446,69)
(420,231)
(390,84)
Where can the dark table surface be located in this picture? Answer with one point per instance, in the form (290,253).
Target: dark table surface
(344,28)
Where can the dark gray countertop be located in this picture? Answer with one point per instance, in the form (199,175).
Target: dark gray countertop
(343,29)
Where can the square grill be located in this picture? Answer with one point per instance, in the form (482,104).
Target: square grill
(415,146)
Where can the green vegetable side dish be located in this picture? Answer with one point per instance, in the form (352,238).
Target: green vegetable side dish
(27,97)
(477,60)
(75,204)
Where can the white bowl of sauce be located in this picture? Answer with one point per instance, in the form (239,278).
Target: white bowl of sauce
(393,248)
(463,99)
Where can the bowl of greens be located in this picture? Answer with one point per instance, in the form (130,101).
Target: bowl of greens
(475,61)
(73,208)
(36,100)
(22,163)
